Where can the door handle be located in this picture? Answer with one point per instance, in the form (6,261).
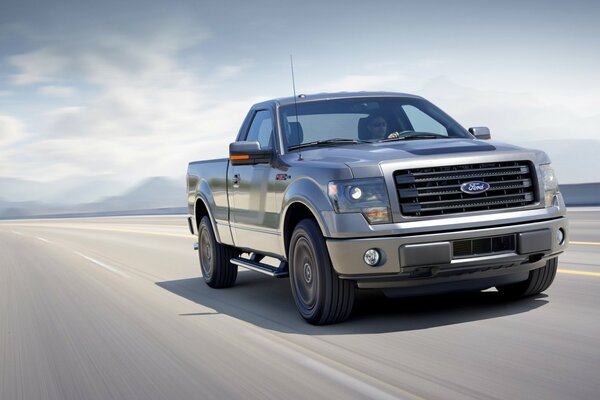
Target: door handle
(236,179)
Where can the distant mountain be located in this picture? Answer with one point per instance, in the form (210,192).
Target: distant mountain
(151,193)
(10,209)
(90,190)
(66,191)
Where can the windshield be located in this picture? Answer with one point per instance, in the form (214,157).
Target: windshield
(356,120)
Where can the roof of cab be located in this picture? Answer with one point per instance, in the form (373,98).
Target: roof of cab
(304,98)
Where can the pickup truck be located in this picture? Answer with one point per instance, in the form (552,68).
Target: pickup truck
(374,190)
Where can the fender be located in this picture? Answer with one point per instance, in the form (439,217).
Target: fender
(307,192)
(204,195)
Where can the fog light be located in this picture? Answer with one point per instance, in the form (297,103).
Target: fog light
(371,257)
(560,236)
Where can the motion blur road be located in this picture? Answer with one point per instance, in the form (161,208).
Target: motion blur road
(115,308)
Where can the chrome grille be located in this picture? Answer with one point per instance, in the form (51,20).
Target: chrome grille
(436,191)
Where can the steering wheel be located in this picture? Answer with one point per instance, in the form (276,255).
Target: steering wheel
(395,135)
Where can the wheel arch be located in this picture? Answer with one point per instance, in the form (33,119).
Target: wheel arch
(200,210)
(303,198)
(296,212)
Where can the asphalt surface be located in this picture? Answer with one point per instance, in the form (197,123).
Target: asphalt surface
(115,308)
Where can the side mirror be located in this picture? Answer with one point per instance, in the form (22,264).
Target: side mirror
(249,153)
(481,132)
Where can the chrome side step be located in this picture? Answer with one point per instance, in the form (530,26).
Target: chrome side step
(280,272)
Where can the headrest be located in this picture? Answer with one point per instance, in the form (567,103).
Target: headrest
(295,134)
(363,131)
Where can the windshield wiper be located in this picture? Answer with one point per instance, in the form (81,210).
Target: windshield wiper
(416,135)
(326,142)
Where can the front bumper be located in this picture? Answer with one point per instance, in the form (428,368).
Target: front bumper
(426,259)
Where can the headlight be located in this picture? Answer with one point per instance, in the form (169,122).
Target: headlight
(366,196)
(550,184)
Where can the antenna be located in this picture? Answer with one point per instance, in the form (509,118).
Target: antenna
(296,108)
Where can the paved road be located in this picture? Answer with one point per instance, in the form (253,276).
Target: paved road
(113,308)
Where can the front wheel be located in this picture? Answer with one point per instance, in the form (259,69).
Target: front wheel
(539,280)
(320,295)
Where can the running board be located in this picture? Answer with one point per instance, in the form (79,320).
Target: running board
(280,272)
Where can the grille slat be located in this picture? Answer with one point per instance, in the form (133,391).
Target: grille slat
(470,176)
(487,199)
(470,205)
(492,189)
(519,169)
(436,191)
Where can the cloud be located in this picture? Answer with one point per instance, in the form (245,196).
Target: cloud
(229,71)
(11,130)
(42,65)
(57,91)
(108,58)
(514,117)
(134,105)
(137,105)
(358,82)
(149,113)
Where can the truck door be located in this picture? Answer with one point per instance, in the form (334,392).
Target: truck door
(254,214)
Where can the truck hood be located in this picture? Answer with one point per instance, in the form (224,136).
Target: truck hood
(365,159)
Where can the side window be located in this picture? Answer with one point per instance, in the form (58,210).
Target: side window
(261,129)
(422,122)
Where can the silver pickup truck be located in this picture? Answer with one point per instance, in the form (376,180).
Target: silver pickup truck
(382,191)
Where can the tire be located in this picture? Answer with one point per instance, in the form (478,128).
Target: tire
(539,280)
(214,257)
(320,295)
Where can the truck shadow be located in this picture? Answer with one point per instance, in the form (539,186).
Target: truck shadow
(268,303)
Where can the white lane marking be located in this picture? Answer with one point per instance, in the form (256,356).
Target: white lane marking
(17,233)
(103,265)
(42,239)
(323,369)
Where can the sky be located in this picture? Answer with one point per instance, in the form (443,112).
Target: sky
(128,90)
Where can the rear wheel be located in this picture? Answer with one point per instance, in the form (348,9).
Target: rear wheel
(539,280)
(217,271)
(320,295)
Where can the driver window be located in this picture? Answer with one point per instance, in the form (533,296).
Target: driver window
(261,129)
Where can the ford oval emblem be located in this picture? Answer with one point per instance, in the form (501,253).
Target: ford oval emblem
(475,187)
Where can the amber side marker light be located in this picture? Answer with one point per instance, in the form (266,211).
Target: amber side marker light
(240,157)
